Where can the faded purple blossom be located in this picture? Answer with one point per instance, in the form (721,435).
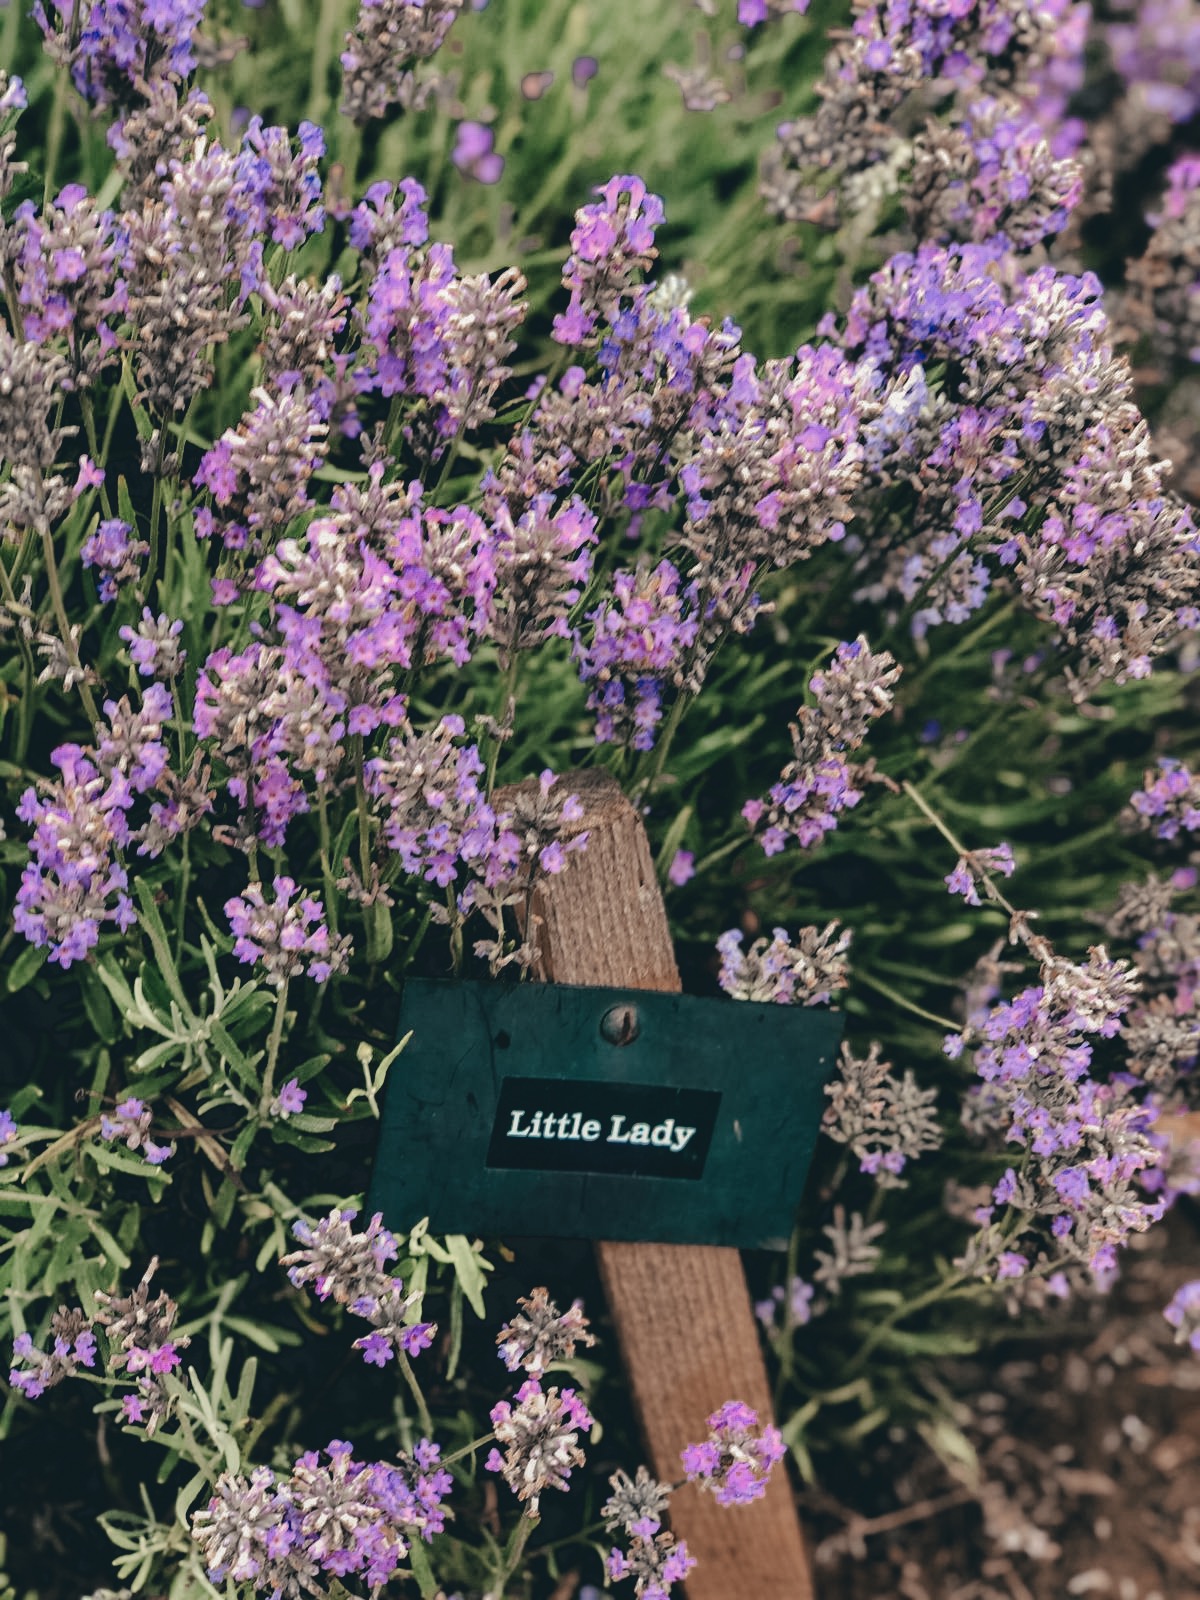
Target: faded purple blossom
(351,1268)
(540,1334)
(539,1432)
(886,1120)
(819,783)
(72,1345)
(803,973)
(339,1518)
(388,40)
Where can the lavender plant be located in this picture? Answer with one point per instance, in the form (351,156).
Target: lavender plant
(331,502)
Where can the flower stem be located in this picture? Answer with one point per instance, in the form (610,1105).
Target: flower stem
(898,999)
(25,705)
(922,805)
(942,1290)
(64,627)
(268,1088)
(512,1555)
(467,1450)
(414,1388)
(646,785)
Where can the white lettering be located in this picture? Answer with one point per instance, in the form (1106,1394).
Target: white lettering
(515,1130)
(590,1131)
(615,1136)
(682,1136)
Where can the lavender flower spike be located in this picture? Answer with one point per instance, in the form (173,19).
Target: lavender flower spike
(735,1461)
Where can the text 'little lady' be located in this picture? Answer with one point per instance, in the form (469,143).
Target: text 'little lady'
(666,1135)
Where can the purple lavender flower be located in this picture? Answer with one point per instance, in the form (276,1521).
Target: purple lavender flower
(474,154)
(638,640)
(1183,1313)
(610,242)
(734,1463)
(73,1344)
(129,1124)
(73,882)
(340,1518)
(351,1268)
(1157,53)
(288,936)
(440,336)
(115,554)
(116,47)
(655,1561)
(8,1134)
(974,866)
(289,1102)
(66,270)
(1088,1142)
(277,189)
(258,472)
(800,1300)
(819,783)
(751,12)
(682,868)
(1169,800)
(154,646)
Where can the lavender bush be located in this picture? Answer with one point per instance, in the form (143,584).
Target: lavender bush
(395,404)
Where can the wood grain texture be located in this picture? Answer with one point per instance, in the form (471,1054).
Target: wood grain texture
(682,1312)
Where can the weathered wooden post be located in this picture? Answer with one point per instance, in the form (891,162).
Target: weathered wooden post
(602,1103)
(682,1312)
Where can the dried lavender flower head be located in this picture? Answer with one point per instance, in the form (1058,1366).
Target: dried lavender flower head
(540,1335)
(635,1502)
(540,1436)
(885,1120)
(387,41)
(804,973)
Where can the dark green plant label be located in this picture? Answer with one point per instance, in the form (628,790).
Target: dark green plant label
(548,1125)
(534,1108)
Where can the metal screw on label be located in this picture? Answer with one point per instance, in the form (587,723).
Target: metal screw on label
(620,1025)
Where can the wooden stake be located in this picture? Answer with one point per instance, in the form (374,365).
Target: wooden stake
(682,1312)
